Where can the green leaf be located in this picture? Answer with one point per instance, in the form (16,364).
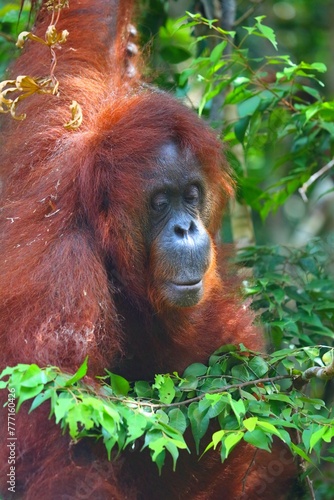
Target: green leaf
(82,371)
(296,449)
(63,404)
(166,389)
(240,128)
(172,434)
(328,435)
(33,377)
(279,397)
(217,52)
(109,443)
(217,404)
(266,31)
(258,366)
(108,422)
(259,439)
(230,441)
(41,398)
(316,436)
(160,460)
(174,55)
(240,372)
(238,408)
(9,370)
(136,425)
(189,384)
(217,437)
(177,420)
(306,437)
(156,443)
(199,422)
(285,436)
(143,389)
(240,80)
(195,370)
(79,414)
(250,423)
(267,427)
(318,66)
(119,385)
(173,450)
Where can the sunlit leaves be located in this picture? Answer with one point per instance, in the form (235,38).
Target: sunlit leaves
(302,69)
(241,395)
(174,43)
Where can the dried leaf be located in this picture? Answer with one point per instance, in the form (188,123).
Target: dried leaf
(27,35)
(76,120)
(52,37)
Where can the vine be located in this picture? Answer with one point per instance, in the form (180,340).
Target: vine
(25,86)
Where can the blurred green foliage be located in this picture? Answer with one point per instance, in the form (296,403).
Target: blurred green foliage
(12,22)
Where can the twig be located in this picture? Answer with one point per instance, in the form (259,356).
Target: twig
(244,479)
(247,13)
(216,391)
(303,467)
(313,178)
(7,37)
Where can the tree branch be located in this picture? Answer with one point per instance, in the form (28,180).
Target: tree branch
(313,178)
(7,37)
(322,372)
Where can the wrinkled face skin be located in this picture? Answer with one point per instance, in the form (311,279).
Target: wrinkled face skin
(180,246)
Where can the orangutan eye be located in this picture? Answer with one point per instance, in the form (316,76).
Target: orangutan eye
(159,202)
(192,195)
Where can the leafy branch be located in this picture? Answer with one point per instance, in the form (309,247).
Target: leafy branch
(248,396)
(278,107)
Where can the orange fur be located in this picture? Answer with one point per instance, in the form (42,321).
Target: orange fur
(75,278)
